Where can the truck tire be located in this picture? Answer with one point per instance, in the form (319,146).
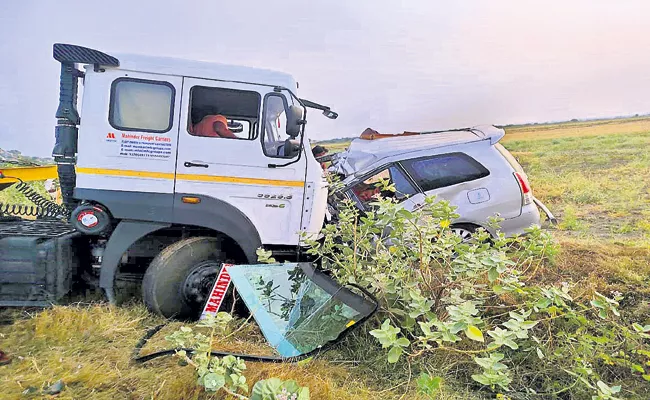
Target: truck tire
(180,277)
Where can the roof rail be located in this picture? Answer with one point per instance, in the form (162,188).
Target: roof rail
(371,134)
(490,132)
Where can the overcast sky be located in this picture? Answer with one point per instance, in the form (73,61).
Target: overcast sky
(418,65)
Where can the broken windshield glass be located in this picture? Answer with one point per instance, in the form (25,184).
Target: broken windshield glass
(297,307)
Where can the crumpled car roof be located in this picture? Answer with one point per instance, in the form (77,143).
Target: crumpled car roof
(363,153)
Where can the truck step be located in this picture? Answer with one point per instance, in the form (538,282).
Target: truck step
(41,228)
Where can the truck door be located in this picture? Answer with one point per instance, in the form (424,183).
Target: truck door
(127,136)
(218,169)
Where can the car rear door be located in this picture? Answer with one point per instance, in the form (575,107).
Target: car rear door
(476,189)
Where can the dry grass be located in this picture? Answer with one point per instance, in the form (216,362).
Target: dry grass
(89,347)
(594,177)
(578,129)
(337,147)
(597,185)
(596,265)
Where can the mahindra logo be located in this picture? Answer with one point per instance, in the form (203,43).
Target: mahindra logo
(110,135)
(218,292)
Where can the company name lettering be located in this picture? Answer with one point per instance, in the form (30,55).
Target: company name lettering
(148,138)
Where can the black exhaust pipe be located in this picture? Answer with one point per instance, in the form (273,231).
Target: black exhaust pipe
(67,131)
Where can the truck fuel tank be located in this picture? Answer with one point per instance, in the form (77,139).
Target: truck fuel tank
(38,260)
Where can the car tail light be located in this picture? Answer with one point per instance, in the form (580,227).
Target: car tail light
(526,191)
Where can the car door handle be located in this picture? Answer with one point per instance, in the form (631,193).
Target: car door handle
(188,164)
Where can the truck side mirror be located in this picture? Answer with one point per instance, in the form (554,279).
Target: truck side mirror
(295,119)
(291,148)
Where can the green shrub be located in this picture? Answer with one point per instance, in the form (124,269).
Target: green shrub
(478,300)
(226,373)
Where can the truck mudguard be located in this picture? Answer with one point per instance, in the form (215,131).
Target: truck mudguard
(220,216)
(125,234)
(132,207)
(210,213)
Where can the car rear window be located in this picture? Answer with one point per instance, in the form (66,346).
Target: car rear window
(444,170)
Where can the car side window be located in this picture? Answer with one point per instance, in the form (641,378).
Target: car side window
(444,170)
(370,187)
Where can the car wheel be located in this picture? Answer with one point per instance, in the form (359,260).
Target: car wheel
(465,231)
(179,279)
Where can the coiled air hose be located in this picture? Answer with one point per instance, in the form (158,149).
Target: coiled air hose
(42,208)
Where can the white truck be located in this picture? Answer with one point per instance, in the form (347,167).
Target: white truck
(174,165)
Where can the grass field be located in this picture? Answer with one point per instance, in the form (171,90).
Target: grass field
(595,176)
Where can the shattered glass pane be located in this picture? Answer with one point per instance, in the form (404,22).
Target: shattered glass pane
(297,307)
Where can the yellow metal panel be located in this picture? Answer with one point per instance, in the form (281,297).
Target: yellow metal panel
(49,172)
(29,173)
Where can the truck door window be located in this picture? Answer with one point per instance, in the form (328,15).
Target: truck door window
(223,113)
(366,190)
(444,170)
(141,105)
(274,138)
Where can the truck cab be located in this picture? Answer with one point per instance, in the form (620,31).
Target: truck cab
(148,149)
(169,168)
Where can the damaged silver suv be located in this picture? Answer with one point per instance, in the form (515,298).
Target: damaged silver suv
(467,167)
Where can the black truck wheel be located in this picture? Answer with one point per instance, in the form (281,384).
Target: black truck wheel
(179,279)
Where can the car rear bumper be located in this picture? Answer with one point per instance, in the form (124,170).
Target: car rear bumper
(530,215)
(517,226)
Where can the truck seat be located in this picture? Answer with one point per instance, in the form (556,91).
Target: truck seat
(212,126)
